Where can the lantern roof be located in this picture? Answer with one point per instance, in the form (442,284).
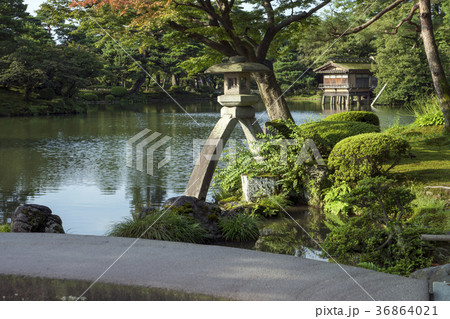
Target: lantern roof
(237,64)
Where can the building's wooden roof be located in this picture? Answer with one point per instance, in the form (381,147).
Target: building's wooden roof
(345,66)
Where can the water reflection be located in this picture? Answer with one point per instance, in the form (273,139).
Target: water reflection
(76,164)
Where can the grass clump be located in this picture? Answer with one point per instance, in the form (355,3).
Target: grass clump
(164,226)
(241,227)
(427,111)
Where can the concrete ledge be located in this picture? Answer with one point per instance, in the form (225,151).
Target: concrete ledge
(222,272)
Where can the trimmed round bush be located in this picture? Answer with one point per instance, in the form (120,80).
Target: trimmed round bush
(109,97)
(47,94)
(364,155)
(118,91)
(89,96)
(355,116)
(327,134)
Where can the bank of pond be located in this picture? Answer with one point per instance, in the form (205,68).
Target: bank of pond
(366,203)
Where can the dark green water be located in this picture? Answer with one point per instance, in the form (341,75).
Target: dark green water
(76,165)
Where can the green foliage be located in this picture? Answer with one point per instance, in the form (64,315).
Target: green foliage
(109,97)
(177,89)
(89,96)
(6,228)
(380,198)
(369,265)
(401,63)
(332,200)
(326,134)
(241,227)
(384,236)
(47,93)
(430,119)
(228,178)
(424,104)
(270,206)
(162,226)
(289,72)
(364,155)
(355,116)
(118,91)
(279,127)
(430,211)
(279,238)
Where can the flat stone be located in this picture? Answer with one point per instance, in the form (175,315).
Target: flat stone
(441,291)
(222,272)
(433,274)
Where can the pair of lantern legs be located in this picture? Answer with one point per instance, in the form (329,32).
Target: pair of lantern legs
(203,172)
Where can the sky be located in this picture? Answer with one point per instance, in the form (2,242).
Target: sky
(33,5)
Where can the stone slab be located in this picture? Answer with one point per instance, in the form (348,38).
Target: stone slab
(441,291)
(225,272)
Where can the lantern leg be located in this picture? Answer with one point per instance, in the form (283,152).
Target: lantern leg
(203,172)
(251,127)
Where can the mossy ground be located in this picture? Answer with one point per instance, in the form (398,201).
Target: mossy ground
(431,148)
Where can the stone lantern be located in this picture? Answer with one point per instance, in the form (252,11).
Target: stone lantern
(236,102)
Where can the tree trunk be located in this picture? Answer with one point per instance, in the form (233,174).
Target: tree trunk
(270,91)
(137,84)
(437,72)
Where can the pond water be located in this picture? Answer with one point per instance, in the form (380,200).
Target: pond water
(76,165)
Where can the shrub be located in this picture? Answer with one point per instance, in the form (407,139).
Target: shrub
(279,127)
(177,89)
(326,134)
(118,91)
(205,89)
(355,116)
(164,226)
(6,228)
(357,157)
(110,97)
(241,227)
(383,234)
(47,93)
(332,200)
(269,206)
(89,96)
(430,119)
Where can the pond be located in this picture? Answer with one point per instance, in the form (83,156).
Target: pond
(76,165)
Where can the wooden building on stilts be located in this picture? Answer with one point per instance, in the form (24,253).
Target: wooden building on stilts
(348,83)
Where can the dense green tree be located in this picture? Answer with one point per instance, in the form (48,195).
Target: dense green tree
(425,25)
(225,27)
(34,61)
(12,23)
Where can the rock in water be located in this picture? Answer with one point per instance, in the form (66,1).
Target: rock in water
(206,213)
(32,218)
